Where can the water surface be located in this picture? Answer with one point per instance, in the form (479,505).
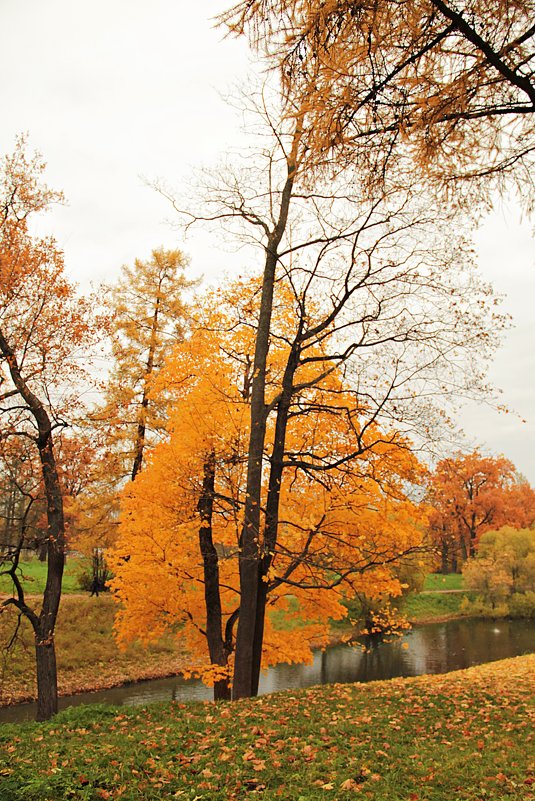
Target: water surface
(430,648)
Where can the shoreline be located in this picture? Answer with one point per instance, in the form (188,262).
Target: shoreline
(167,667)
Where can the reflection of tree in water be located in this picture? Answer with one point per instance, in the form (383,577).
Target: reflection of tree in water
(366,661)
(461,643)
(475,641)
(433,648)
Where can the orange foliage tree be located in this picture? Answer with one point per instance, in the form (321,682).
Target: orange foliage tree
(470,494)
(379,289)
(44,328)
(177,560)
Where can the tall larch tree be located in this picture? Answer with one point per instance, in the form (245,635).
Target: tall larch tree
(147,317)
(44,330)
(451,86)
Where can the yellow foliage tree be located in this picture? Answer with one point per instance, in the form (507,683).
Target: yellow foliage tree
(176,562)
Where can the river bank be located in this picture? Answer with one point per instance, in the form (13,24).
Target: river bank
(90,660)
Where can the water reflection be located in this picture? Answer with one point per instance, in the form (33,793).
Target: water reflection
(433,648)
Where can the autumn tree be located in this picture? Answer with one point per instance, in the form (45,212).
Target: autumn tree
(471,494)
(450,86)
(503,570)
(147,317)
(44,328)
(374,291)
(182,518)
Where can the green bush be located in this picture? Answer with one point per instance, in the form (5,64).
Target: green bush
(481,607)
(93,573)
(522,604)
(503,574)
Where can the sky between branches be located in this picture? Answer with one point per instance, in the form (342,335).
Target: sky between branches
(111,93)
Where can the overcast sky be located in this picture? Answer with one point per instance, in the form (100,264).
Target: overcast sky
(111,92)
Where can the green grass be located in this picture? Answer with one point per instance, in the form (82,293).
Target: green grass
(433,606)
(33,576)
(437,581)
(465,736)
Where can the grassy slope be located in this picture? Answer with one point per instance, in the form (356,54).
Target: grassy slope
(87,655)
(425,608)
(441,598)
(436,581)
(33,577)
(465,736)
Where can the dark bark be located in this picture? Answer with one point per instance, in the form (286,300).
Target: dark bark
(44,623)
(217,648)
(463,549)
(250,554)
(444,556)
(272,511)
(140,438)
(492,56)
(47,678)
(142,424)
(250,535)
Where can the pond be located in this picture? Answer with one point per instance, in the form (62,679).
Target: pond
(430,648)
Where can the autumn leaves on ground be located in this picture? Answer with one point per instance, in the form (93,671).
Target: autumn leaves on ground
(466,736)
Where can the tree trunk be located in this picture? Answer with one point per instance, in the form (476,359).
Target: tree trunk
(444,556)
(222,690)
(463,549)
(44,624)
(272,510)
(212,598)
(139,446)
(250,535)
(47,679)
(244,684)
(473,535)
(47,690)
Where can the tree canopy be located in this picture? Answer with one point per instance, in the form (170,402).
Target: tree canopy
(473,493)
(178,555)
(453,87)
(44,330)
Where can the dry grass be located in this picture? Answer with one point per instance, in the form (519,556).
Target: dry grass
(88,657)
